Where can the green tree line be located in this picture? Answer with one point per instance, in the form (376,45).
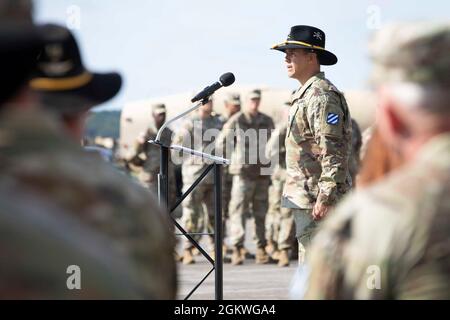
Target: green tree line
(103,123)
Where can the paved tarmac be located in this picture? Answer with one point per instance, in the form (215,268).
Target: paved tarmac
(248,281)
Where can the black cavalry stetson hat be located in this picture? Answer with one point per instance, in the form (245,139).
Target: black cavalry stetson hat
(20,44)
(63,79)
(307,37)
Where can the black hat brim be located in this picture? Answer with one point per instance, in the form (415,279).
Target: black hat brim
(101,88)
(326,57)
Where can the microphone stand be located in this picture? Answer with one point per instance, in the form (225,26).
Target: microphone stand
(163,196)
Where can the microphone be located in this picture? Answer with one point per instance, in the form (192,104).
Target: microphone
(225,80)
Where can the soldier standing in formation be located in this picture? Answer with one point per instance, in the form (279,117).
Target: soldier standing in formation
(146,156)
(247,133)
(146,159)
(318,140)
(232,106)
(280,228)
(390,240)
(198,133)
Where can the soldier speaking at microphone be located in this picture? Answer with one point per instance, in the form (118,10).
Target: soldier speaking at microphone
(318,140)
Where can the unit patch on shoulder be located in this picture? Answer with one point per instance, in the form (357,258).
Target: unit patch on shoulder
(332,118)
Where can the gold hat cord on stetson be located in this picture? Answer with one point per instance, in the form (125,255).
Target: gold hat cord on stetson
(299,43)
(53,84)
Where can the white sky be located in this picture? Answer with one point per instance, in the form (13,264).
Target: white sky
(164,47)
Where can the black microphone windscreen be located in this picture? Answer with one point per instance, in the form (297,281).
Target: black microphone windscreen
(227,79)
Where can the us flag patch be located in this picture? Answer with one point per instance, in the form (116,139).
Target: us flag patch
(332,118)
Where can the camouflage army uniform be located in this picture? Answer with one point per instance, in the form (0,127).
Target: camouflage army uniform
(39,241)
(318,146)
(34,150)
(146,161)
(390,240)
(250,186)
(399,227)
(354,160)
(147,157)
(279,221)
(199,204)
(227,184)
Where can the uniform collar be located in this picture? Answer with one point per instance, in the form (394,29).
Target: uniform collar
(318,76)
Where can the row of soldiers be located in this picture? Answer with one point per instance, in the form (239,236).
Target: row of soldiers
(247,191)
(71,226)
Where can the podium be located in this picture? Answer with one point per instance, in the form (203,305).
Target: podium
(163,196)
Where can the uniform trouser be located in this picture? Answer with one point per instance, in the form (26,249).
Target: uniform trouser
(198,210)
(279,221)
(273,214)
(305,228)
(226,196)
(248,192)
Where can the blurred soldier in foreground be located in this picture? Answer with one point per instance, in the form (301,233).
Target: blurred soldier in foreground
(280,228)
(391,240)
(40,240)
(247,132)
(198,133)
(42,150)
(232,106)
(318,140)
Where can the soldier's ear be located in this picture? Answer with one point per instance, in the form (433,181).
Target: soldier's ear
(313,57)
(391,119)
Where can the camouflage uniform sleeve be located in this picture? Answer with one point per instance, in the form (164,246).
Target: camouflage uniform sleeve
(273,145)
(328,122)
(224,141)
(139,156)
(181,138)
(340,255)
(367,238)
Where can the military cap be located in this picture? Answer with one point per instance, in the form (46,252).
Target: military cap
(255,94)
(233,98)
(20,44)
(307,37)
(416,53)
(62,78)
(159,108)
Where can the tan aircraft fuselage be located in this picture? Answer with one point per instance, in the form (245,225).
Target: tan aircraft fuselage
(136,116)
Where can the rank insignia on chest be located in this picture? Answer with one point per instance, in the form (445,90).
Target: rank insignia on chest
(332,118)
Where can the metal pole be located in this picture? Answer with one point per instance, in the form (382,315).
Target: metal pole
(218,261)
